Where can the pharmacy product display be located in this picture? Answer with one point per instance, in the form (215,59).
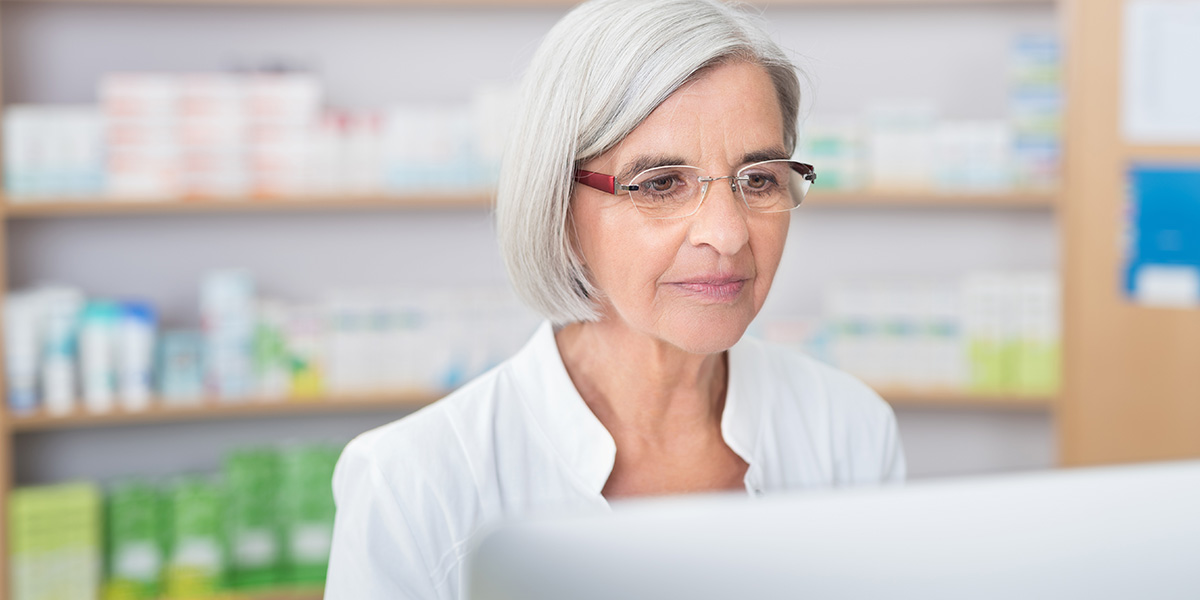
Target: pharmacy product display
(992,333)
(909,146)
(66,352)
(162,136)
(54,542)
(265,521)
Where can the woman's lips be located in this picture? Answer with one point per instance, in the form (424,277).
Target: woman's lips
(720,290)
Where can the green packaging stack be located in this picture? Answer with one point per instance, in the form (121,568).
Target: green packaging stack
(266,522)
(135,538)
(54,542)
(253,521)
(1013,333)
(307,507)
(196,550)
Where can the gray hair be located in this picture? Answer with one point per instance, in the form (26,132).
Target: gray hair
(598,74)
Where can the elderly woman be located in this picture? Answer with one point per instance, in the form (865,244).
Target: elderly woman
(643,208)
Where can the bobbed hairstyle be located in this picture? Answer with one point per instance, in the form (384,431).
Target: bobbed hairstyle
(598,74)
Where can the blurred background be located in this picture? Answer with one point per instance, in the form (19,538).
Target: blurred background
(237,235)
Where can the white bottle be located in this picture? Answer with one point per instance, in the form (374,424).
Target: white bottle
(21,342)
(135,355)
(61,307)
(97,356)
(227,302)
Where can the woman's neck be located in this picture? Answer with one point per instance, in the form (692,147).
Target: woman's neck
(640,386)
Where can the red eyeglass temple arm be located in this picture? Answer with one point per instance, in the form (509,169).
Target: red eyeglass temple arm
(600,181)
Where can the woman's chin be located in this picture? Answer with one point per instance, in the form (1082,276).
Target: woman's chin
(707,334)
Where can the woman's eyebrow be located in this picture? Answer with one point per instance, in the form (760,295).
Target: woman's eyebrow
(776,153)
(648,161)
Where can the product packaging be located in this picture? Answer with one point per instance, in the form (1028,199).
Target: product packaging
(306,503)
(60,310)
(135,543)
(253,518)
(98,355)
(228,313)
(52,152)
(54,542)
(181,368)
(196,551)
(22,344)
(135,337)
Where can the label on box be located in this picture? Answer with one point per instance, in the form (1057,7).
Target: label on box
(311,542)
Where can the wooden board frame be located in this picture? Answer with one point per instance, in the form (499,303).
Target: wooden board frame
(1132,374)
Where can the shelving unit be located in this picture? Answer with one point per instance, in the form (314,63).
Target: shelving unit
(66,207)
(1044,200)
(285,594)
(100,207)
(213,410)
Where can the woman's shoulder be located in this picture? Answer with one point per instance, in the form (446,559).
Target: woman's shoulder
(431,438)
(420,475)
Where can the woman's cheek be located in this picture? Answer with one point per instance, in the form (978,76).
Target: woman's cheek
(767,254)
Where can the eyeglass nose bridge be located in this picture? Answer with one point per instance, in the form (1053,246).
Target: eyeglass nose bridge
(733,185)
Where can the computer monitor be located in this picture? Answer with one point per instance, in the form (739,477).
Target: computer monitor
(1114,532)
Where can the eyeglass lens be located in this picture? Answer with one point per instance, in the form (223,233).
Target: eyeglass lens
(676,191)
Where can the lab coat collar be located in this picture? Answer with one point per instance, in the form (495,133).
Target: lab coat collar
(585,445)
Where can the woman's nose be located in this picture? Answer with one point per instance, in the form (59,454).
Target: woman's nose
(720,221)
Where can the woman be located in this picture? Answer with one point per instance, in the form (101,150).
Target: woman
(642,208)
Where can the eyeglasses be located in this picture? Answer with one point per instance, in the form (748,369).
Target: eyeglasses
(677,191)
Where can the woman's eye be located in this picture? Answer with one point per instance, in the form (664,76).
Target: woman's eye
(661,184)
(758,181)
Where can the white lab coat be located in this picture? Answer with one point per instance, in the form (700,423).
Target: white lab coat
(520,440)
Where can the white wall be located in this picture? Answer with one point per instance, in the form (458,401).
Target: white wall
(372,56)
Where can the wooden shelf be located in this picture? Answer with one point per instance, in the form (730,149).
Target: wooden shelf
(52,208)
(310,593)
(305,593)
(64,208)
(215,410)
(931,199)
(948,398)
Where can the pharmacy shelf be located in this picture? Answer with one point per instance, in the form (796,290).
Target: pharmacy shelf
(216,410)
(54,207)
(283,594)
(931,199)
(306,593)
(950,398)
(212,409)
(57,208)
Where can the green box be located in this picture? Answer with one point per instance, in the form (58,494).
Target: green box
(253,525)
(308,511)
(136,554)
(196,555)
(54,542)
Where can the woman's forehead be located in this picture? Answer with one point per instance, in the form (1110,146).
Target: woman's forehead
(730,113)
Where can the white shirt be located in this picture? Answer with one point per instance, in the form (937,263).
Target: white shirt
(520,440)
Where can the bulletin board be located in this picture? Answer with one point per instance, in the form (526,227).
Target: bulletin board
(1132,368)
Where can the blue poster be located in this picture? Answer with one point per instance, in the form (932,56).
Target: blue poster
(1163,236)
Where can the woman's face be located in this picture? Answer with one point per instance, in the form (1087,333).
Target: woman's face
(694,282)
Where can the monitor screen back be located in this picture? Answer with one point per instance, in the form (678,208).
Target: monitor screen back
(1117,532)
